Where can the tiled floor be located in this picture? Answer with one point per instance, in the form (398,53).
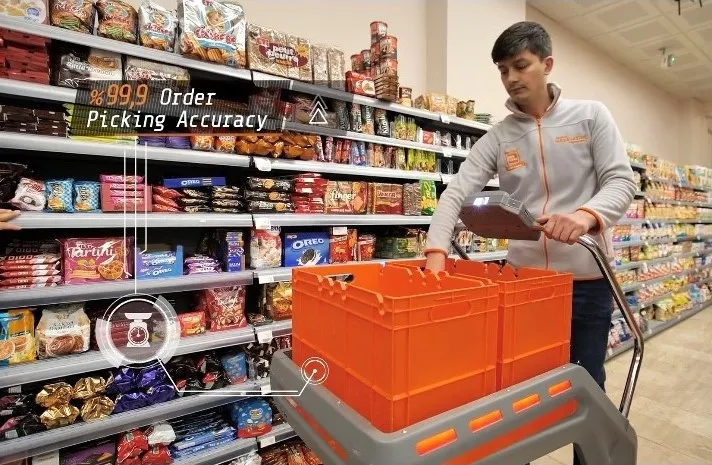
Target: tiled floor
(672,408)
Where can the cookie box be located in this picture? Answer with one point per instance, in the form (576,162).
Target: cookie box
(87,260)
(306,248)
(132,202)
(177,183)
(152,265)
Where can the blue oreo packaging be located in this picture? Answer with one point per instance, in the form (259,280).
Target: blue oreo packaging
(253,417)
(306,248)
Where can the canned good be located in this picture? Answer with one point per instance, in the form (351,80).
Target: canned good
(470,108)
(461,109)
(405,92)
(366,58)
(375,53)
(357,63)
(389,66)
(389,47)
(378,30)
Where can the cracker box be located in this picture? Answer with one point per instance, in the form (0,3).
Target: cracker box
(306,248)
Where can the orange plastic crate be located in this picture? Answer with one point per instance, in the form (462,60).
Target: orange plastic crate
(534,316)
(401,345)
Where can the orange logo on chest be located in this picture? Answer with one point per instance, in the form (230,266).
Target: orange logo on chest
(512,160)
(579,139)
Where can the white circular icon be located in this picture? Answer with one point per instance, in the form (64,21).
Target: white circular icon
(315,370)
(138,329)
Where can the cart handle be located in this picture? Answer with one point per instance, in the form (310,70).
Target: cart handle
(619,296)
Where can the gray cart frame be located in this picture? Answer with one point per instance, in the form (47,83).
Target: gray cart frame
(511,427)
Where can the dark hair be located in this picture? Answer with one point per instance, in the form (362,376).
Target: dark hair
(525,35)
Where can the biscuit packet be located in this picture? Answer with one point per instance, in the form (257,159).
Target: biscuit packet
(117,20)
(157,27)
(17,336)
(63,330)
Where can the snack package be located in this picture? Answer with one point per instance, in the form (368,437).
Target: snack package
(306,248)
(30,195)
(428,192)
(266,248)
(75,16)
(225,306)
(17,337)
(59,415)
(277,300)
(93,260)
(157,27)
(53,395)
(151,72)
(77,66)
(235,365)
(59,195)
(253,418)
(131,444)
(278,53)
(117,20)
(213,31)
(96,408)
(63,330)
(86,196)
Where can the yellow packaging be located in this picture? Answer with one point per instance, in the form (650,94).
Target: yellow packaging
(17,336)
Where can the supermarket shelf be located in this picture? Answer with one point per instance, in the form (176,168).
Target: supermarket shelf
(656,327)
(278,434)
(92,361)
(42,220)
(221,454)
(35,143)
(82,292)
(51,440)
(337,168)
(626,221)
(325,131)
(637,243)
(38,91)
(657,261)
(64,35)
(264,221)
(494,183)
(678,202)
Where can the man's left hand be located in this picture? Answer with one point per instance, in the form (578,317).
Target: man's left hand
(566,228)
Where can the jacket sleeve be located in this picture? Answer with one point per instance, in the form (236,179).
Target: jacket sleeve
(615,176)
(478,168)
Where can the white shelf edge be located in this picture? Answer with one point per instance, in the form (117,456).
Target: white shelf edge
(279,433)
(55,439)
(32,142)
(59,367)
(320,220)
(44,220)
(338,168)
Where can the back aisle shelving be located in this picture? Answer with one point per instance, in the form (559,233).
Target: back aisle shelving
(28,147)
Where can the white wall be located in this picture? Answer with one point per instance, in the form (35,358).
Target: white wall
(346,25)
(648,116)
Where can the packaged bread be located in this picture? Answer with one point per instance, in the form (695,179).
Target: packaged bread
(320,64)
(278,53)
(337,68)
(213,31)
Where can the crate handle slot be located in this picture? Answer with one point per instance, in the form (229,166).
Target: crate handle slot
(450,312)
(543,292)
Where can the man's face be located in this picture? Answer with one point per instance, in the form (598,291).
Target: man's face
(524,75)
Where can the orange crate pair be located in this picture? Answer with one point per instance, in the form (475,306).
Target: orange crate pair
(534,316)
(401,345)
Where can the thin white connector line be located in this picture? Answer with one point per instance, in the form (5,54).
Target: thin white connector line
(239,393)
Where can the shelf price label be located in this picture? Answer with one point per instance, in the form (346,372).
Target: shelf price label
(263,223)
(267,441)
(262,164)
(264,337)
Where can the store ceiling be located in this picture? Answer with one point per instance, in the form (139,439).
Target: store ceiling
(634,31)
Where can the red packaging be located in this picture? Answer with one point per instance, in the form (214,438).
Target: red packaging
(158,200)
(29,76)
(339,249)
(97,260)
(113,201)
(109,178)
(166,192)
(131,444)
(157,455)
(164,208)
(192,323)
(117,186)
(225,306)
(26,40)
(360,83)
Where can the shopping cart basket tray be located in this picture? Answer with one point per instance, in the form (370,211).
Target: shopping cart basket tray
(516,426)
(496,214)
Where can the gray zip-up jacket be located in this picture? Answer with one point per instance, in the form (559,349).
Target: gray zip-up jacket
(573,158)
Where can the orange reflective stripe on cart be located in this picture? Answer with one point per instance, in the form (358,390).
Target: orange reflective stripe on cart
(316,427)
(539,424)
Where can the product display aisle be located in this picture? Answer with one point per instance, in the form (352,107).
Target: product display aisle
(219,223)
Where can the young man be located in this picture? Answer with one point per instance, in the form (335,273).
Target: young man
(566,161)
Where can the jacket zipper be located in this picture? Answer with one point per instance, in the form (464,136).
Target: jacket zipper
(546,185)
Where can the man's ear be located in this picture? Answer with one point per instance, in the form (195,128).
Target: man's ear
(548,65)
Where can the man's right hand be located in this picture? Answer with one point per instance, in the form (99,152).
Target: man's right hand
(435,262)
(7,215)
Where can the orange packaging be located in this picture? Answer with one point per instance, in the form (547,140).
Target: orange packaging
(17,336)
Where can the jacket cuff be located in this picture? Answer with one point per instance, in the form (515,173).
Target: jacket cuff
(600,224)
(436,250)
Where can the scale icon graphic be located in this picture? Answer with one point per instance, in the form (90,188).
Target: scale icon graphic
(138,335)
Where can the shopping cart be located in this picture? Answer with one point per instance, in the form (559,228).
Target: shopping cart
(511,427)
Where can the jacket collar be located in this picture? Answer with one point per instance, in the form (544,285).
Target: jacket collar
(554,92)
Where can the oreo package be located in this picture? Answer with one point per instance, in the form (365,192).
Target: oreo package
(306,248)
